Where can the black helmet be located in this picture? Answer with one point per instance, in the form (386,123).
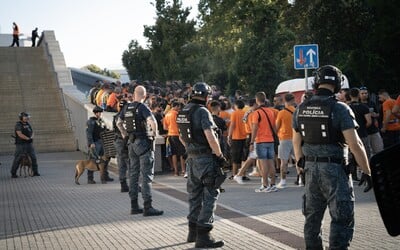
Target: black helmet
(330,75)
(201,89)
(97,109)
(23,114)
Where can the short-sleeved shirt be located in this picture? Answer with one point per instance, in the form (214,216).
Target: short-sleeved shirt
(264,132)
(360,110)
(169,122)
(342,119)
(393,123)
(284,117)
(25,129)
(239,131)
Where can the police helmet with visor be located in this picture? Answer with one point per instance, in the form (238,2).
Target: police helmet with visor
(328,74)
(201,89)
(22,115)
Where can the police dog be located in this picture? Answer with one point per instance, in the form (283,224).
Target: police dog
(93,165)
(25,165)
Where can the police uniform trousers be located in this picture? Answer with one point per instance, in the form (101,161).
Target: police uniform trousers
(122,157)
(328,185)
(203,195)
(21,149)
(141,161)
(100,152)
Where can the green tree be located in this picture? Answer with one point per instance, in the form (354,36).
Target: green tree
(105,72)
(168,37)
(136,60)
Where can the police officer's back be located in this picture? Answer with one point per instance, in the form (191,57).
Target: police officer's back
(326,126)
(196,130)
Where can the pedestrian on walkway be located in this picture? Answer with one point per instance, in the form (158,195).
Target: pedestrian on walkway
(285,133)
(24,144)
(322,127)
(94,126)
(263,126)
(15,35)
(139,126)
(390,123)
(35,35)
(196,128)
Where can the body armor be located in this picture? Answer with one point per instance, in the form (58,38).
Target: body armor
(26,130)
(184,121)
(315,122)
(131,122)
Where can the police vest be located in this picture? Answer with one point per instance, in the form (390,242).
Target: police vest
(98,127)
(188,132)
(315,122)
(132,123)
(26,130)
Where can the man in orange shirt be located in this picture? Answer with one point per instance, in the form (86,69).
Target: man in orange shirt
(262,124)
(177,148)
(390,124)
(284,129)
(396,108)
(113,100)
(237,136)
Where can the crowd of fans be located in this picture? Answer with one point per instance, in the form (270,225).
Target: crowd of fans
(377,116)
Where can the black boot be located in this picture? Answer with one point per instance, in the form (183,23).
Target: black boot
(151,211)
(205,240)
(135,209)
(192,232)
(124,186)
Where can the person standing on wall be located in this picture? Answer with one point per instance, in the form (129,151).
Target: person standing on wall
(35,35)
(322,130)
(15,35)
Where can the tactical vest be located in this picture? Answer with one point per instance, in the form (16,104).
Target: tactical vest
(187,131)
(97,128)
(26,130)
(132,123)
(315,122)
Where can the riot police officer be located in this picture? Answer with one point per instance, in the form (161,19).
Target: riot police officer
(95,125)
(24,144)
(121,148)
(137,123)
(326,127)
(196,130)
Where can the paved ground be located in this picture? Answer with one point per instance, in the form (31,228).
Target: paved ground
(51,212)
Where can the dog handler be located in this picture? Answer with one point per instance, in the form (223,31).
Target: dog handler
(95,126)
(23,143)
(138,124)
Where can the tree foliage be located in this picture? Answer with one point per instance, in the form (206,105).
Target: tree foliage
(105,72)
(248,44)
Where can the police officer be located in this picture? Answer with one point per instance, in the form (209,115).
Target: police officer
(122,150)
(326,127)
(23,143)
(196,129)
(138,125)
(95,125)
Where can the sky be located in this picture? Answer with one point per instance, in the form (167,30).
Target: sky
(89,31)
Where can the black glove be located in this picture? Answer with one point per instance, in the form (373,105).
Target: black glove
(301,163)
(221,160)
(366,180)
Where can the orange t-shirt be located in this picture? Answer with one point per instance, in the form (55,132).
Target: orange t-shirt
(239,130)
(169,122)
(394,123)
(112,101)
(227,118)
(264,132)
(247,123)
(284,120)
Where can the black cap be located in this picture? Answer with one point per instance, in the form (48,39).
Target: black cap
(97,109)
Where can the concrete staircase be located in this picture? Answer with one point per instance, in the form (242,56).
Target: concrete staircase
(28,83)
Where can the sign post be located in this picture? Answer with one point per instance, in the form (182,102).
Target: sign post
(306,57)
